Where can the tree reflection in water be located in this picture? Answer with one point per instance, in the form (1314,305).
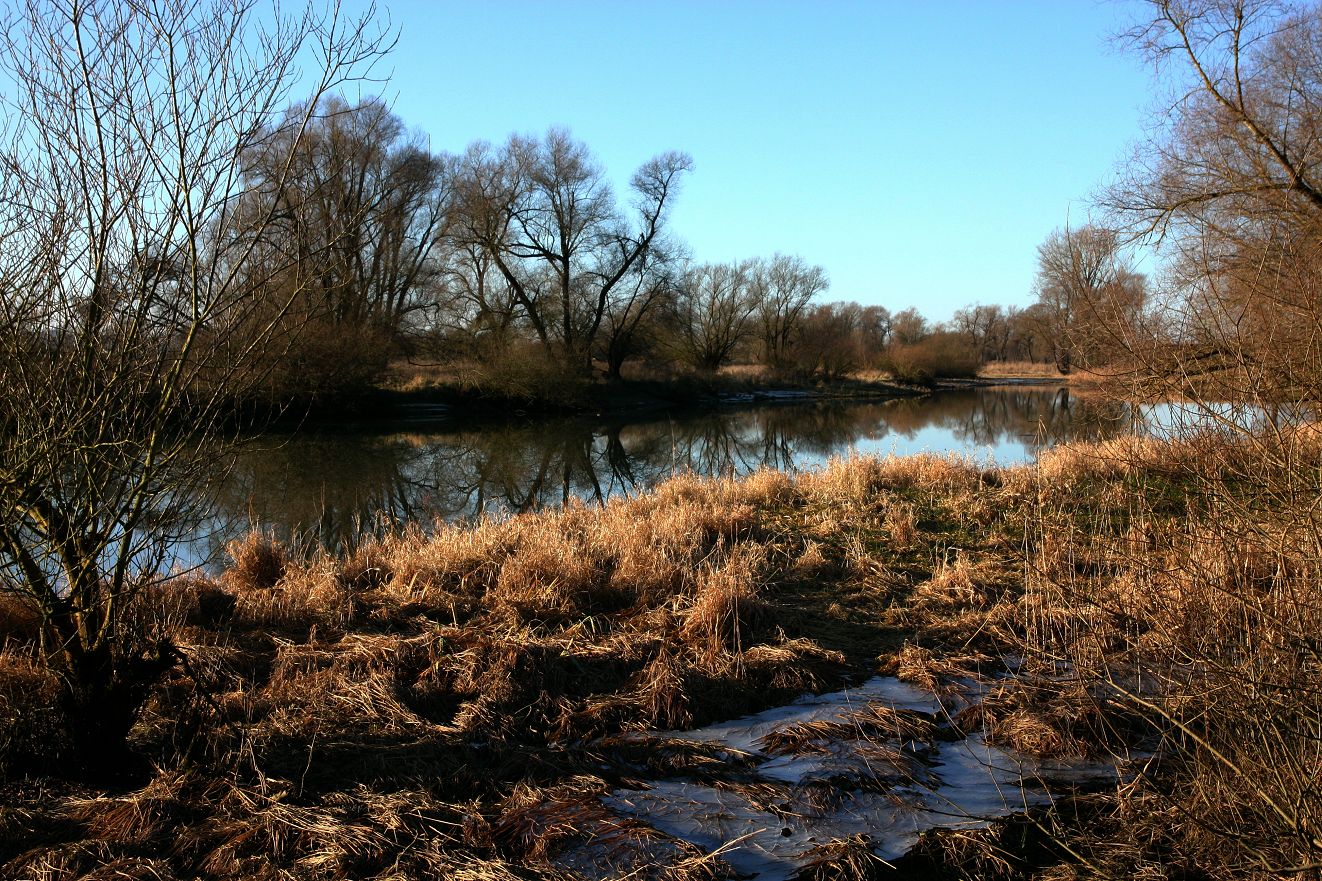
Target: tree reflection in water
(330,486)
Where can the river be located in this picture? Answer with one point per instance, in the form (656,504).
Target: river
(328,484)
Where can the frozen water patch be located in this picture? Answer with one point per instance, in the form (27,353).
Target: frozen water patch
(766,822)
(783,394)
(746,733)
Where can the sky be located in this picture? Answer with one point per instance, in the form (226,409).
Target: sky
(918,151)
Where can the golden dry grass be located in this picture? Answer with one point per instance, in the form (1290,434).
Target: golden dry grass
(432,702)
(845,859)
(32,722)
(1015,369)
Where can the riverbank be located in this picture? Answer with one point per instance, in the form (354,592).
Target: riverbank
(412,393)
(466,703)
(637,393)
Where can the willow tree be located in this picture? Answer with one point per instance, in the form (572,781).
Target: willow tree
(129,321)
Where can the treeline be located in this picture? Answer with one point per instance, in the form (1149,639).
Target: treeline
(519,259)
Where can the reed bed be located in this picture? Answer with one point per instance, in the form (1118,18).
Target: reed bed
(452,702)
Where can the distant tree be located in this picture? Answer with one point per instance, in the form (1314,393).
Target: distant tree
(476,306)
(544,213)
(986,329)
(712,313)
(939,355)
(1000,332)
(876,330)
(1029,333)
(830,344)
(909,327)
(1089,295)
(364,204)
(783,287)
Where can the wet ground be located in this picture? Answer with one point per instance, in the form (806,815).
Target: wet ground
(878,764)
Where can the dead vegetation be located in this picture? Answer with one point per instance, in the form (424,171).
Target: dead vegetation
(848,859)
(453,703)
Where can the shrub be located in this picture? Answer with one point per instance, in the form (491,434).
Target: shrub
(939,356)
(526,372)
(326,360)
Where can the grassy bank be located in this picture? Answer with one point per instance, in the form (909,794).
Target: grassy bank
(546,388)
(452,704)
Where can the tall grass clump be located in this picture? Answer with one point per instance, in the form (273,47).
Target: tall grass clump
(1180,580)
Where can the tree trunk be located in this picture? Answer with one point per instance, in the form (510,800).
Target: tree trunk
(1063,360)
(616,353)
(103,696)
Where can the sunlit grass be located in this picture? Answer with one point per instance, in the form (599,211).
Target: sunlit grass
(1133,588)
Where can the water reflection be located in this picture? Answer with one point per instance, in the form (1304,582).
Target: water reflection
(331,485)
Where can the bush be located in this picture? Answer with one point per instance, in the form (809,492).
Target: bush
(327,360)
(525,372)
(939,356)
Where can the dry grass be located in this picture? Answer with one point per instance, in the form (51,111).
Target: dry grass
(1180,581)
(448,703)
(33,733)
(846,859)
(1018,369)
(874,723)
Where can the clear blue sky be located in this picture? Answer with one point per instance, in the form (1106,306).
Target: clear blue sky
(919,152)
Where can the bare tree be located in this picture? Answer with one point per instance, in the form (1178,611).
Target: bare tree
(1230,189)
(1089,294)
(127,273)
(634,306)
(1029,330)
(877,325)
(908,327)
(831,342)
(783,287)
(364,207)
(712,313)
(986,328)
(544,212)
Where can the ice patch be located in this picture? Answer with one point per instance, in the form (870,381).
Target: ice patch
(888,791)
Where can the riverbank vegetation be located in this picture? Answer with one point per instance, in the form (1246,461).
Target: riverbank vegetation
(489,283)
(454,701)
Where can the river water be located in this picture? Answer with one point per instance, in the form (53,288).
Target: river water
(328,484)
